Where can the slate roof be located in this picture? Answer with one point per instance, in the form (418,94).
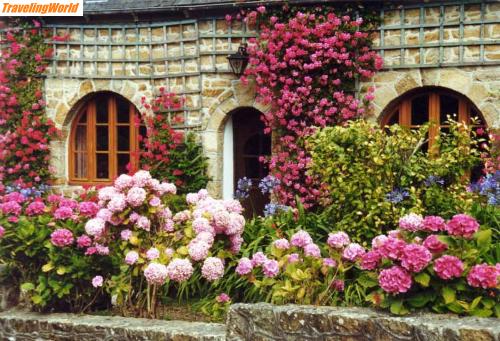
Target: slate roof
(144,6)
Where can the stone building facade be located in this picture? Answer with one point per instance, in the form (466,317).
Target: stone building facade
(447,45)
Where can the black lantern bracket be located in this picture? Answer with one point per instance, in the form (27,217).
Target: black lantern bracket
(239,60)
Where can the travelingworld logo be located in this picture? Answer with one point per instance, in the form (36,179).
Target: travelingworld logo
(22,8)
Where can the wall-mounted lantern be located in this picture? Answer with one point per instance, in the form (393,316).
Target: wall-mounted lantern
(239,60)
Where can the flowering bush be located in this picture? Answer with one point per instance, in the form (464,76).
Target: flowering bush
(371,178)
(44,245)
(168,154)
(25,132)
(428,262)
(158,246)
(305,65)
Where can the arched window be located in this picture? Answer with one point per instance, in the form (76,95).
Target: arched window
(103,140)
(432,105)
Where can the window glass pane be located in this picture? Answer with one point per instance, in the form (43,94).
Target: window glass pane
(101,107)
(420,110)
(252,145)
(266,145)
(123,133)
(474,114)
(143,135)
(101,138)
(123,160)
(448,106)
(81,138)
(80,165)
(252,167)
(102,166)
(122,110)
(394,119)
(83,118)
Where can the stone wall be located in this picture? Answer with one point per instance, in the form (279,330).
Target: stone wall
(189,57)
(253,322)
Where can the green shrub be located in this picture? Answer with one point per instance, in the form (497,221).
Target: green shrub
(373,176)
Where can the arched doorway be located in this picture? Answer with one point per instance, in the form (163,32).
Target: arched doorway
(244,132)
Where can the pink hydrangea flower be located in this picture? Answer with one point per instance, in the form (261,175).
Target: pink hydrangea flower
(202,225)
(411,222)
(88,208)
(483,276)
(223,298)
(198,250)
(154,202)
(212,269)
(206,237)
(83,241)
(123,182)
(312,250)
(244,267)
(328,262)
(462,225)
(434,245)
(378,241)
(134,216)
(233,206)
(35,208)
(97,281)
(433,224)
(281,244)
(136,196)
(293,258)
(102,249)
(168,225)
(236,242)
(192,198)
(338,240)
(258,259)
(236,224)
(169,252)
(95,227)
(182,216)
(447,267)
(415,257)
(63,213)
(125,234)
(104,214)
(2,231)
(143,223)
(353,252)
(392,248)
(395,280)
(131,257)
(370,260)
(156,273)
(301,239)
(141,178)
(270,268)
(179,269)
(61,237)
(153,253)
(117,203)
(338,285)
(106,193)
(166,188)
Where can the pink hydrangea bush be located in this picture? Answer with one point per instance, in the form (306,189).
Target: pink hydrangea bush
(138,223)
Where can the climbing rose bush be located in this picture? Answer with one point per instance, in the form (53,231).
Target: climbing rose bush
(304,66)
(155,244)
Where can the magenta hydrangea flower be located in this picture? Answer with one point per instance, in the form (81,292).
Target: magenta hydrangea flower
(370,260)
(35,208)
(11,207)
(462,225)
(293,258)
(2,231)
(338,240)
(131,257)
(95,227)
(301,239)
(244,267)
(433,224)
(258,259)
(97,281)
(136,196)
(62,213)
(434,245)
(153,253)
(338,285)
(179,269)
(61,237)
(392,248)
(328,262)
(281,244)
(395,280)
(447,267)
(212,269)
(411,222)
(353,252)
(156,273)
(83,241)
(312,250)
(415,257)
(223,298)
(378,241)
(270,268)
(483,276)
(88,208)
(125,234)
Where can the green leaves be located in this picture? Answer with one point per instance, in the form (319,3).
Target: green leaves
(423,279)
(449,295)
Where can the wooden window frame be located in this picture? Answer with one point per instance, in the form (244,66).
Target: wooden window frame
(403,109)
(90,110)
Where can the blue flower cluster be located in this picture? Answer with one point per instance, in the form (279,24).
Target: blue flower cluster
(271,209)
(489,186)
(268,184)
(243,188)
(397,195)
(33,192)
(433,180)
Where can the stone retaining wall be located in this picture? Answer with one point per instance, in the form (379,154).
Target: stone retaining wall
(253,322)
